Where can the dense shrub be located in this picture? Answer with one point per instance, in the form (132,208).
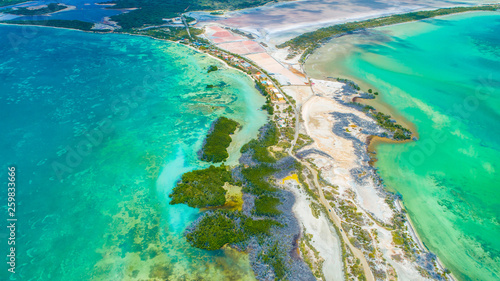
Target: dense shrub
(221,227)
(215,231)
(266,206)
(218,140)
(268,137)
(202,188)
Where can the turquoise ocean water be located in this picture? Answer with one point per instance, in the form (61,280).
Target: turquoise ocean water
(443,75)
(99,128)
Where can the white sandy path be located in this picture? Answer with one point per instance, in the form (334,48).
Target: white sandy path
(267,62)
(325,239)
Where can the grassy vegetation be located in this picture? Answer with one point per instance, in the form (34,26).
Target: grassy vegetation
(218,140)
(309,41)
(73,24)
(202,188)
(222,227)
(51,8)
(151,12)
(400,236)
(266,206)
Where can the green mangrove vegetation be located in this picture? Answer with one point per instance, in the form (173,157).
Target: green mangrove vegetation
(350,83)
(260,146)
(202,188)
(215,231)
(307,42)
(218,140)
(256,179)
(265,205)
(400,132)
(212,68)
(221,227)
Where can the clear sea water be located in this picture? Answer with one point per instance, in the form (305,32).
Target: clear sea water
(443,75)
(99,128)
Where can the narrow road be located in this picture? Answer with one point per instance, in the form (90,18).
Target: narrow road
(187,26)
(331,212)
(336,219)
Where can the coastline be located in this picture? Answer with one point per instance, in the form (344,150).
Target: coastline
(421,244)
(213,56)
(371,142)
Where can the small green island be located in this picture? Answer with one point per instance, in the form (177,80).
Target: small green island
(50,8)
(218,140)
(212,68)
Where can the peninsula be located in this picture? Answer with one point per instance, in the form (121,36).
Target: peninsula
(303,200)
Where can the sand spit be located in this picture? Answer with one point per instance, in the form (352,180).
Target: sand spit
(340,132)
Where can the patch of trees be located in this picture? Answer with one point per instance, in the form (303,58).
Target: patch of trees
(218,140)
(267,137)
(265,205)
(218,228)
(202,188)
(350,83)
(400,132)
(212,68)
